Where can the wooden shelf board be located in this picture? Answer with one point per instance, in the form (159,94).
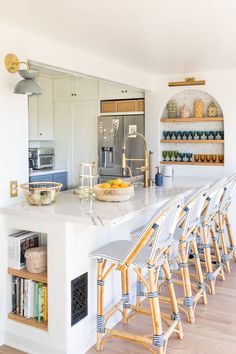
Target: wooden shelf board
(23,273)
(185,120)
(170,141)
(28,321)
(192,163)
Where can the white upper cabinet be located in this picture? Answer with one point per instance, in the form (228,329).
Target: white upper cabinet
(75,88)
(41,112)
(109,90)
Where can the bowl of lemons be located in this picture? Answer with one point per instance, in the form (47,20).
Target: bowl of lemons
(114,190)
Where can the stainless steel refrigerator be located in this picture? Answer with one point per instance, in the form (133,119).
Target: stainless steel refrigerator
(112,131)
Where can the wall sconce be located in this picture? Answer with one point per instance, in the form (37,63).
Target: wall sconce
(27,86)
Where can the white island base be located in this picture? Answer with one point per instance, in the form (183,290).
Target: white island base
(74,228)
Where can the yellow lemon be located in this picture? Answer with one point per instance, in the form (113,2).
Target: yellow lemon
(117,182)
(105,185)
(124,185)
(115,186)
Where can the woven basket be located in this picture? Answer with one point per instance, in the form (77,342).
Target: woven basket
(41,193)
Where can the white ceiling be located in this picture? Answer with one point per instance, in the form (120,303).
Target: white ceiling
(156,36)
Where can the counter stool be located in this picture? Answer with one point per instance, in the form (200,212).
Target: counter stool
(186,244)
(148,251)
(222,219)
(207,241)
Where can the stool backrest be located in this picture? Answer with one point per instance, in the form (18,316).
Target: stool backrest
(193,209)
(158,233)
(213,199)
(228,192)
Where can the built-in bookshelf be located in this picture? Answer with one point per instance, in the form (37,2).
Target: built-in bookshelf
(29,305)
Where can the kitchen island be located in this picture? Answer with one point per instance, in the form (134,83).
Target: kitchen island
(72,229)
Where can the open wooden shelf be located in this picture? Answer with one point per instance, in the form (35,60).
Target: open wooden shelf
(186,141)
(185,120)
(28,321)
(192,163)
(23,273)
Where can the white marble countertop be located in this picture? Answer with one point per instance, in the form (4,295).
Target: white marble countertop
(69,208)
(46,172)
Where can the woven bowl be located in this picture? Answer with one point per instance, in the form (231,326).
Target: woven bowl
(41,193)
(113,194)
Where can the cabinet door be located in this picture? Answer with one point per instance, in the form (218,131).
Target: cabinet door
(33,117)
(126,106)
(62,88)
(45,110)
(139,106)
(61,178)
(111,90)
(84,89)
(41,178)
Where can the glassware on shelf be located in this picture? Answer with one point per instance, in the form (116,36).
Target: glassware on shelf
(176,154)
(192,133)
(174,135)
(214,158)
(164,155)
(207,135)
(196,157)
(181,135)
(202,157)
(170,135)
(220,158)
(199,134)
(170,155)
(214,134)
(165,134)
(208,158)
(211,136)
(222,134)
(181,155)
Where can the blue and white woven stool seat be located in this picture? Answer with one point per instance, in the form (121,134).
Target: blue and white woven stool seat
(116,251)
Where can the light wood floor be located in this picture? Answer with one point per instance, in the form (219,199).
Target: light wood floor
(213,332)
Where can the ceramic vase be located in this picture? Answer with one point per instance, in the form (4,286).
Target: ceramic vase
(185,112)
(198,109)
(212,110)
(172,109)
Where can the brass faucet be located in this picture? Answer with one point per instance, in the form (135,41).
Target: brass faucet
(145,167)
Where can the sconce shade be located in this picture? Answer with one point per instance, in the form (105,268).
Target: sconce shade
(28,87)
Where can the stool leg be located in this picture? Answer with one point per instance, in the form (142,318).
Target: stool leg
(230,235)
(100,305)
(158,339)
(140,290)
(207,255)
(225,256)
(198,268)
(173,300)
(217,252)
(125,294)
(188,300)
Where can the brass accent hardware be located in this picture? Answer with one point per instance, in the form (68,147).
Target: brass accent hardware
(189,81)
(145,168)
(13,189)
(12,63)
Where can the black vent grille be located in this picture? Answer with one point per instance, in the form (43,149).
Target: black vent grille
(79,298)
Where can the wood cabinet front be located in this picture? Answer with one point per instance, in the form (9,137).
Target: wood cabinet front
(109,106)
(122,106)
(126,106)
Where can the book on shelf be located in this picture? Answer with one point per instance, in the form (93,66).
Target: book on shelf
(29,298)
(18,243)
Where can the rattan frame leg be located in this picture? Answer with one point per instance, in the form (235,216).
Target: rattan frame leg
(173,299)
(230,235)
(225,256)
(100,304)
(188,300)
(125,294)
(219,265)
(208,261)
(198,267)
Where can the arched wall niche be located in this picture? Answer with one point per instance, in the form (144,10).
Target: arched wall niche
(203,138)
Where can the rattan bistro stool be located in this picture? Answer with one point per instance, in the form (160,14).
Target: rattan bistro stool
(185,236)
(148,251)
(222,220)
(208,243)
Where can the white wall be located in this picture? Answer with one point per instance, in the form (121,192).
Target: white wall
(13,108)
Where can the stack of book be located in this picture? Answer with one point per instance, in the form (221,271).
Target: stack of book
(29,298)
(18,243)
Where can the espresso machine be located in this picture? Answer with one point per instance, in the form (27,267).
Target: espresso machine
(112,131)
